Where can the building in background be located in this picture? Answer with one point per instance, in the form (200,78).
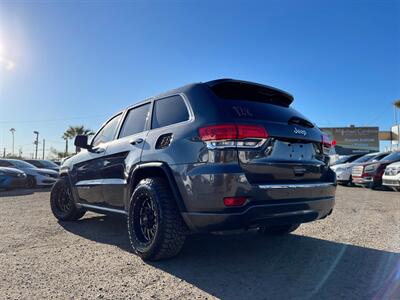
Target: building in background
(352,140)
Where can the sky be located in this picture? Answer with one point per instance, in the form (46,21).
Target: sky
(69,63)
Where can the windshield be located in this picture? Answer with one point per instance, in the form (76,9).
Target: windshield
(395,156)
(364,158)
(342,160)
(22,164)
(48,164)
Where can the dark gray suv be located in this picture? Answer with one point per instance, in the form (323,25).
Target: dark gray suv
(225,154)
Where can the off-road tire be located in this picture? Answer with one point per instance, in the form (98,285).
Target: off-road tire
(278,230)
(67,211)
(170,231)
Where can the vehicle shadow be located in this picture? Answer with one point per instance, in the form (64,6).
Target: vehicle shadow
(23,191)
(252,266)
(108,229)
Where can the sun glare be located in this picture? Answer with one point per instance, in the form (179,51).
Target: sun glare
(5,63)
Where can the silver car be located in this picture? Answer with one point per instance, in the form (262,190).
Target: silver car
(36,176)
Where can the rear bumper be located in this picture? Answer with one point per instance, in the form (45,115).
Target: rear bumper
(204,187)
(267,214)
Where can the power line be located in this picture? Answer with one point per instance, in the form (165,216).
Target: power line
(53,120)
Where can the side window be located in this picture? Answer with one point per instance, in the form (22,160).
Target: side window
(169,111)
(107,133)
(135,120)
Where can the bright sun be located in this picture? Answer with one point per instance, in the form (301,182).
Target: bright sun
(5,62)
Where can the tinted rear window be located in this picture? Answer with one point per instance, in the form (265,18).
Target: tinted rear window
(261,111)
(236,90)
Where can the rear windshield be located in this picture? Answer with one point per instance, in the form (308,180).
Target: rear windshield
(364,158)
(236,90)
(244,109)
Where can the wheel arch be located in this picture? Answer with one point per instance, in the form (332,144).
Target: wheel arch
(155,169)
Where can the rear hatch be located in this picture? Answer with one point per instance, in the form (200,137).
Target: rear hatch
(293,150)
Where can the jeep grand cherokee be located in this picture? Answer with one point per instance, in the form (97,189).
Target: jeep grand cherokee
(219,155)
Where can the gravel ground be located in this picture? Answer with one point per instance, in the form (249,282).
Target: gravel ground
(353,254)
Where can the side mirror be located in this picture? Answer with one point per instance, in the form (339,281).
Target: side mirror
(81,141)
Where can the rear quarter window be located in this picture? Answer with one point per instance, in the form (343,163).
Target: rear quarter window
(169,111)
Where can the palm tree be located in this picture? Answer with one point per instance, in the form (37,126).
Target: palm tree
(396,108)
(72,132)
(65,137)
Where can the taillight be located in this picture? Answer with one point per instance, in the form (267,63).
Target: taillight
(233,135)
(327,143)
(218,132)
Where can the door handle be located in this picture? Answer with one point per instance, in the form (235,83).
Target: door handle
(137,141)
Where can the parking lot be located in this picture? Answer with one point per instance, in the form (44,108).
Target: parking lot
(355,253)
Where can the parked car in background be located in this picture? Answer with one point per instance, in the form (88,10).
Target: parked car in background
(57,162)
(36,176)
(43,164)
(370,174)
(391,177)
(343,171)
(347,159)
(10,178)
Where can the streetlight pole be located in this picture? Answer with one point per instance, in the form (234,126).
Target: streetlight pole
(44,144)
(12,132)
(396,106)
(36,142)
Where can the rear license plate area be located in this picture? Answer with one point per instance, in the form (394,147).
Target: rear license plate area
(293,151)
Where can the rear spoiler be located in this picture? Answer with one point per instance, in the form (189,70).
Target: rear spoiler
(245,90)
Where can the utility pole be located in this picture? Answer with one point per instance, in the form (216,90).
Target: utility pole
(4,152)
(396,107)
(44,144)
(12,130)
(36,142)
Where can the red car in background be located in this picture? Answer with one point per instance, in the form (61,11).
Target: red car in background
(370,174)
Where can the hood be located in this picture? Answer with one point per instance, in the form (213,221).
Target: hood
(11,171)
(34,171)
(48,171)
(394,165)
(345,165)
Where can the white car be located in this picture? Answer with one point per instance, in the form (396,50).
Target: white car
(391,177)
(343,171)
(36,176)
